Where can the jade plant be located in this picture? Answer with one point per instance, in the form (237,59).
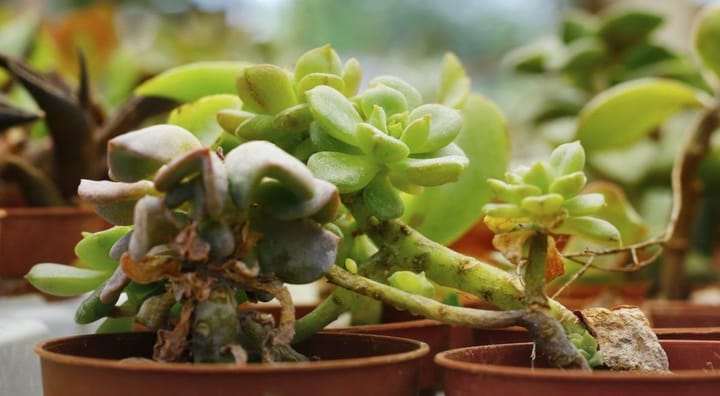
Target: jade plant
(302,176)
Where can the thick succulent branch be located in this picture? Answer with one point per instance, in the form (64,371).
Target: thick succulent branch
(215,327)
(687,190)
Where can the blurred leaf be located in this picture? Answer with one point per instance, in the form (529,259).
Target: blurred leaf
(624,28)
(65,280)
(485,141)
(11,116)
(619,212)
(706,36)
(265,89)
(577,24)
(583,55)
(200,117)
(116,325)
(190,82)
(647,54)
(17,34)
(454,82)
(627,112)
(532,58)
(412,95)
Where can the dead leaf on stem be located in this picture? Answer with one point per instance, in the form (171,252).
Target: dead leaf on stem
(171,344)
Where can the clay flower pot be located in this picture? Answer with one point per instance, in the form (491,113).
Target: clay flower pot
(682,314)
(33,235)
(349,364)
(505,370)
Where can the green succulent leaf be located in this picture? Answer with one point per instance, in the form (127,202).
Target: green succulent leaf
(568,185)
(352,76)
(297,252)
(249,163)
(624,28)
(416,133)
(323,141)
(381,146)
(349,173)
(296,118)
(265,89)
(318,60)
(541,205)
(151,226)
(231,119)
(568,158)
(65,280)
(706,34)
(593,229)
(411,282)
(585,204)
(618,211)
(504,210)
(114,201)
(378,118)
(583,55)
(513,193)
(484,139)
(432,171)
(219,235)
(200,117)
(282,204)
(94,249)
(540,175)
(137,155)
(445,125)
(382,199)
(92,308)
(413,98)
(627,112)
(334,113)
(312,80)
(454,82)
(193,81)
(391,100)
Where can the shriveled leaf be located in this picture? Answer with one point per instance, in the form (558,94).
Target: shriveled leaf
(485,141)
(348,172)
(250,162)
(627,112)
(265,89)
(139,154)
(65,280)
(555,265)
(454,82)
(193,81)
(297,252)
(200,117)
(334,113)
(94,249)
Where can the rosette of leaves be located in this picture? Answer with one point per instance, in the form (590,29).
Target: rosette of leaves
(373,143)
(210,228)
(546,197)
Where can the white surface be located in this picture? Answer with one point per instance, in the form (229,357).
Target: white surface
(19,367)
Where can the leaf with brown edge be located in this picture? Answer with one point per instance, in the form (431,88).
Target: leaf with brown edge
(512,244)
(150,268)
(555,265)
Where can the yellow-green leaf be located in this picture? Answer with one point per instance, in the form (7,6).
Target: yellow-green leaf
(706,38)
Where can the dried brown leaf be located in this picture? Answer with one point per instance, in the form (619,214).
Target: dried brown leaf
(511,245)
(555,265)
(171,344)
(150,268)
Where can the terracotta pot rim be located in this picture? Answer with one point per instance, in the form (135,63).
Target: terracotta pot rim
(408,324)
(30,211)
(444,360)
(419,350)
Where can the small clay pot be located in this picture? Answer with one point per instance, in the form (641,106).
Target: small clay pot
(349,364)
(505,370)
(681,314)
(34,235)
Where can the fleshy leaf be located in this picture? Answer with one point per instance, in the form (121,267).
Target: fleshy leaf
(391,100)
(411,94)
(593,229)
(312,80)
(296,118)
(379,145)
(349,173)
(114,201)
(568,158)
(151,227)
(619,212)
(486,143)
(445,125)
(200,117)
(297,252)
(318,60)
(629,111)
(323,141)
(382,199)
(65,280)
(193,81)
(416,133)
(432,171)
(352,76)
(454,82)
(624,28)
(334,113)
(265,89)
(280,203)
(94,249)
(249,163)
(139,154)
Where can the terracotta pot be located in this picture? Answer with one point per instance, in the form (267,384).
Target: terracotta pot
(396,323)
(504,370)
(350,364)
(681,314)
(688,333)
(33,235)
